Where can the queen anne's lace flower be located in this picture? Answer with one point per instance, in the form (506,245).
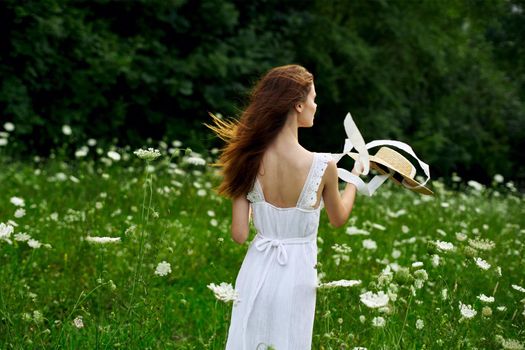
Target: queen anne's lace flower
(518,288)
(373,300)
(19,202)
(22,237)
(224,292)
(163,268)
(482,264)
(420,324)
(78,322)
(102,240)
(444,246)
(114,155)
(481,244)
(148,155)
(467,311)
(509,344)
(5,231)
(195,161)
(485,298)
(33,243)
(339,283)
(378,321)
(369,244)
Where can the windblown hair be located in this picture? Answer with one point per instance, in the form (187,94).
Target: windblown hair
(247,139)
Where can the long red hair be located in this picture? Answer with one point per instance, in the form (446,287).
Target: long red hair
(270,101)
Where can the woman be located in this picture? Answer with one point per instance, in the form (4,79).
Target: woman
(268,174)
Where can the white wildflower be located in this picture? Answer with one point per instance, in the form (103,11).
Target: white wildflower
(378,322)
(5,231)
(352,230)
(20,212)
(78,322)
(163,268)
(509,344)
(435,260)
(518,288)
(33,243)
(102,240)
(224,292)
(475,185)
(22,237)
(19,202)
(417,264)
(444,246)
(195,161)
(81,152)
(369,244)
(481,244)
(467,311)
(482,264)
(201,192)
(66,129)
(3,142)
(395,214)
(148,155)
(339,283)
(373,300)
(38,317)
(396,253)
(420,324)
(9,126)
(460,236)
(114,155)
(498,178)
(485,298)
(378,227)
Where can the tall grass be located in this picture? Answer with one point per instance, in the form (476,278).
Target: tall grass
(167,211)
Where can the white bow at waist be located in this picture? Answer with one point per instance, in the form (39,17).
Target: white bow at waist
(266,244)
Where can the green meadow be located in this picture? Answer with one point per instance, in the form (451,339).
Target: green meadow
(443,272)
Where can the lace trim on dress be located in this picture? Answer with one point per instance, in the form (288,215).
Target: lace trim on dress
(309,197)
(255,195)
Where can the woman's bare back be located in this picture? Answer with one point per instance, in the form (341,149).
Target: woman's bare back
(282,175)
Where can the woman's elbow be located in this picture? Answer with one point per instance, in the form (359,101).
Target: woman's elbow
(340,220)
(336,223)
(239,236)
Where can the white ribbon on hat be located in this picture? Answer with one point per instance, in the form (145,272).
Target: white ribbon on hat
(355,140)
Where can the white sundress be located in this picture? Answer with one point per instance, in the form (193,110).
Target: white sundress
(278,277)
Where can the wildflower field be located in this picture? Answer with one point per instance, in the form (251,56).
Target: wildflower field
(124,251)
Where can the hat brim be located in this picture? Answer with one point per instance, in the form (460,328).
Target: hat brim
(378,164)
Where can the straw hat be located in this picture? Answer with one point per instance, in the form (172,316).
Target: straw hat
(404,172)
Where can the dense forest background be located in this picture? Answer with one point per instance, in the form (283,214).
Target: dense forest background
(447,77)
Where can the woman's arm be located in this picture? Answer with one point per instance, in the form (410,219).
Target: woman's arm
(240,219)
(338,206)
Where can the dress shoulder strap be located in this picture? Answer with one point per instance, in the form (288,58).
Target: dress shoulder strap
(255,195)
(309,196)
